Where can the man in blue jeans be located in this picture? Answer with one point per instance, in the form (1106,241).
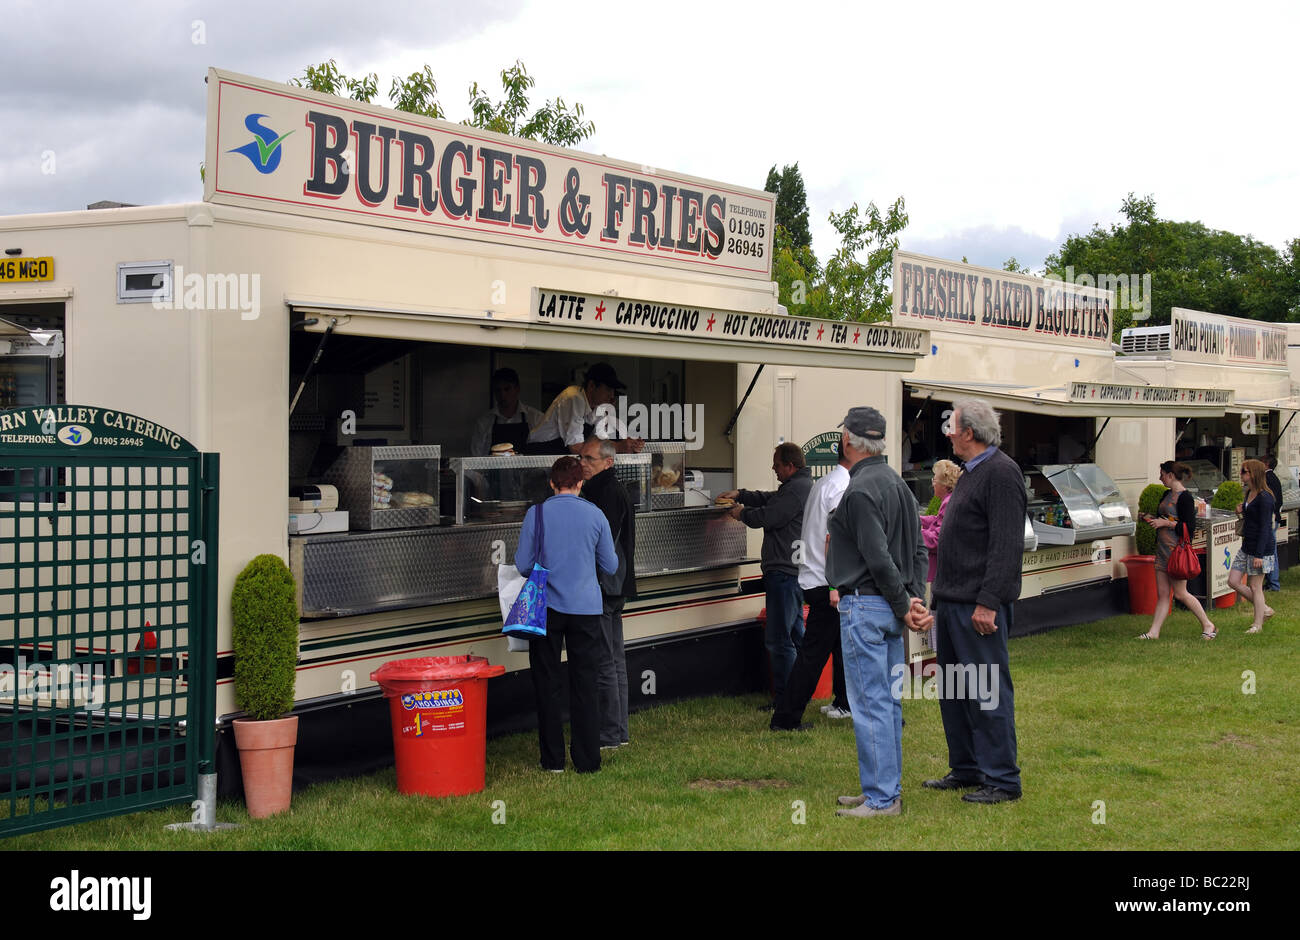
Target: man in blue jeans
(878,562)
(779,513)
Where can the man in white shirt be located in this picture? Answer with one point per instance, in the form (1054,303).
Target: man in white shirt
(508,422)
(573,416)
(822,631)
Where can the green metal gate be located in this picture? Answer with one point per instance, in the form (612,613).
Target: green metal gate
(108,534)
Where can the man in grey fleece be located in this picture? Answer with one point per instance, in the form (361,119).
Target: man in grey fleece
(877,562)
(975,585)
(779,513)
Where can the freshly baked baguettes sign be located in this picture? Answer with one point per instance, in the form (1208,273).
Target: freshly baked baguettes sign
(953,297)
(275,146)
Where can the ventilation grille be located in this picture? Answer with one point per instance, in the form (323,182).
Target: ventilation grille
(1144,340)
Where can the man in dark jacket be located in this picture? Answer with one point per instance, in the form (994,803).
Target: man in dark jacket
(603,488)
(1273,580)
(779,513)
(976,582)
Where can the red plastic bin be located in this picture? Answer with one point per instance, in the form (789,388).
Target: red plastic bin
(438,707)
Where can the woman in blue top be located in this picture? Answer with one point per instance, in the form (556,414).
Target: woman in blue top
(576,538)
(1255,557)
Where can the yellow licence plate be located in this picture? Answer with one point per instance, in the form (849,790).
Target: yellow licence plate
(14,270)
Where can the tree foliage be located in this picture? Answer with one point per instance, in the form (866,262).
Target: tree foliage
(554,122)
(791,203)
(854,283)
(1190,266)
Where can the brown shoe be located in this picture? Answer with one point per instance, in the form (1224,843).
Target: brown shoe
(852,801)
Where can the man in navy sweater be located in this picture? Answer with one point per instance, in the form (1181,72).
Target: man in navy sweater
(975,585)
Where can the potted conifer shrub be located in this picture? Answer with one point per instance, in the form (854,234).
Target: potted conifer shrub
(1141,567)
(264,619)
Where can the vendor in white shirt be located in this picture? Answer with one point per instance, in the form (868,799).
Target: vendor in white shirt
(508,422)
(573,417)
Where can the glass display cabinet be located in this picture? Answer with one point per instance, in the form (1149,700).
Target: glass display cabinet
(500,489)
(1071,503)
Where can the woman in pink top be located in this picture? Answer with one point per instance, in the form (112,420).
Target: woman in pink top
(945,478)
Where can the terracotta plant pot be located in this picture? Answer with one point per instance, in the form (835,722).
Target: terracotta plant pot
(1141,583)
(266,761)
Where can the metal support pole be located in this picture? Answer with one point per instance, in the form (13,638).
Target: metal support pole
(205,809)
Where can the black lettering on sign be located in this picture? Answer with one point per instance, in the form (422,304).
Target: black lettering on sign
(365,134)
(531,212)
(645,199)
(495,204)
(329,140)
(617,190)
(692,207)
(715,208)
(465,186)
(668,197)
(417,189)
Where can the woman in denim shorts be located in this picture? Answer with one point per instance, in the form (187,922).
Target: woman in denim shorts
(1255,558)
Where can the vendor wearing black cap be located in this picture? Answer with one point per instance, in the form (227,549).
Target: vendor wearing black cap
(573,417)
(509,421)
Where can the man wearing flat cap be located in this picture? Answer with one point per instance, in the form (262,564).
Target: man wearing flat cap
(575,414)
(878,563)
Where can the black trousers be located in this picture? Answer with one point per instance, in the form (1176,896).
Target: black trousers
(977,700)
(582,635)
(821,639)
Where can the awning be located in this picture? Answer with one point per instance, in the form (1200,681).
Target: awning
(473,328)
(1265,404)
(1086,399)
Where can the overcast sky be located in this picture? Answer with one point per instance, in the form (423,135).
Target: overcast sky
(1006,126)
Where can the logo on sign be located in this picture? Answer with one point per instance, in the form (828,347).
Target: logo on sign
(444,698)
(264,151)
(75,434)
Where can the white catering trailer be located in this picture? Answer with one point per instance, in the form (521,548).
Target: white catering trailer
(329,316)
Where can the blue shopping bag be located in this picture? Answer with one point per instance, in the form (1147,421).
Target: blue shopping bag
(527,617)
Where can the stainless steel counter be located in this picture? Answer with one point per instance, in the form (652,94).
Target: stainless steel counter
(346,573)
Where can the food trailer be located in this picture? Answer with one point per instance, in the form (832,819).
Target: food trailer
(1251,358)
(328,319)
(1040,351)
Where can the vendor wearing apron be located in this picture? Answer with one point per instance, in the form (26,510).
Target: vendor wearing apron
(508,422)
(572,417)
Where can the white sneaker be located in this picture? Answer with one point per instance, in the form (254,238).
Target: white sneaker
(826,708)
(832,712)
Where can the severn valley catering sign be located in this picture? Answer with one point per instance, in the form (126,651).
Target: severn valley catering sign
(273,146)
(73,430)
(1148,394)
(618,314)
(946,295)
(1208,337)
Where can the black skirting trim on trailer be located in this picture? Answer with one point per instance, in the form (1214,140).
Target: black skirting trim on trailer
(350,735)
(79,764)
(1073,606)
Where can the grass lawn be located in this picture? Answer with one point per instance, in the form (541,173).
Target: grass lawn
(1167,735)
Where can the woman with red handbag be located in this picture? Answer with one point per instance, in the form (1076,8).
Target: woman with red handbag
(1177,509)
(1255,558)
